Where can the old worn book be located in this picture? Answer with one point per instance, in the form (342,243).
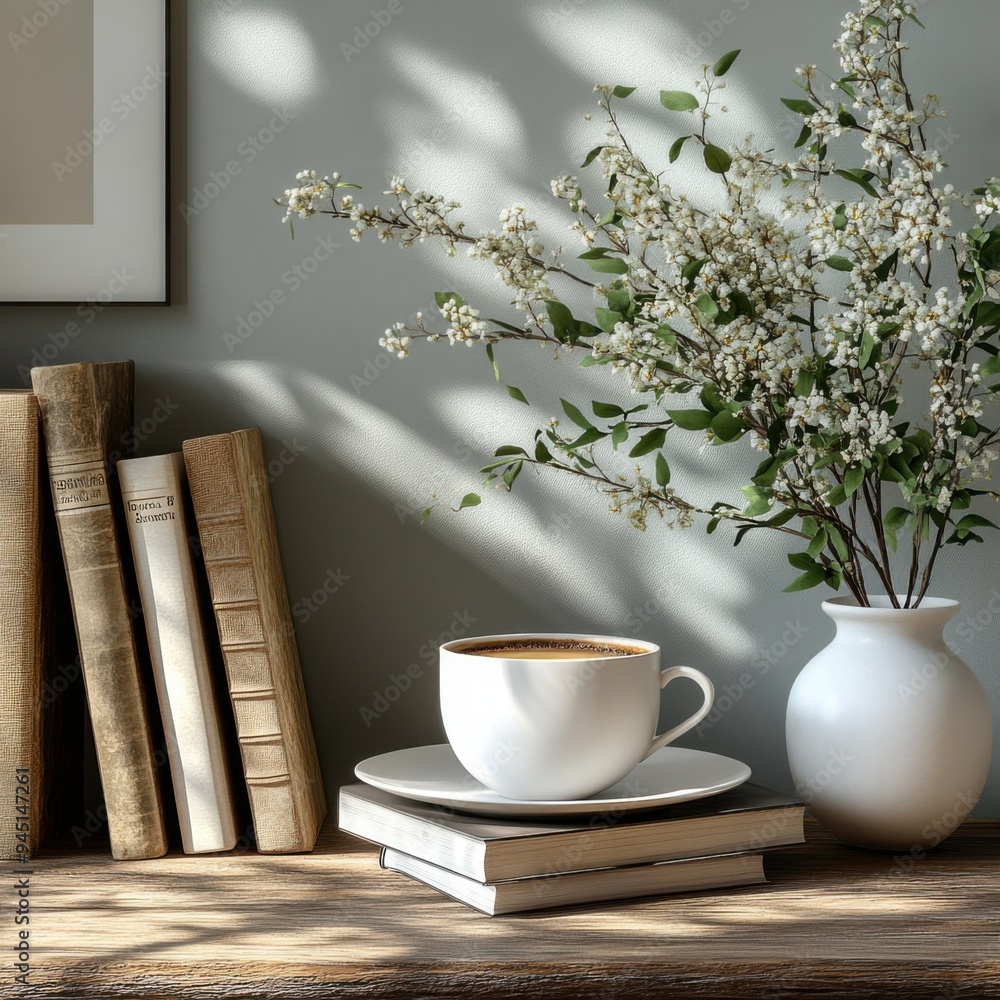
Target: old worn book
(575,888)
(87,421)
(183,648)
(227,476)
(41,705)
(746,818)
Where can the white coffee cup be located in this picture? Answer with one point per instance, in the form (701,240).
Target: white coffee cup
(555,727)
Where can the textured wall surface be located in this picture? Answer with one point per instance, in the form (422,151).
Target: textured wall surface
(484,101)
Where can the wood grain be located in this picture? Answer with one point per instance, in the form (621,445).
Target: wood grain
(227,476)
(832,922)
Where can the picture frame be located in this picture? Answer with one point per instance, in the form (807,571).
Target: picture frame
(84,179)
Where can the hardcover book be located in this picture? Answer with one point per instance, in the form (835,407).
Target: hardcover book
(575,888)
(746,818)
(183,649)
(87,419)
(41,709)
(232,505)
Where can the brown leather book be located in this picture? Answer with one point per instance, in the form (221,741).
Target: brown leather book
(87,420)
(232,505)
(183,649)
(41,695)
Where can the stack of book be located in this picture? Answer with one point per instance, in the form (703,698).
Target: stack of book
(511,866)
(169,570)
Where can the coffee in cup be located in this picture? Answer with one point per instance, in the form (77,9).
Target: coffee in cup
(556,717)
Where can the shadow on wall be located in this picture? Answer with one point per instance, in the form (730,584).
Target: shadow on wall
(346,478)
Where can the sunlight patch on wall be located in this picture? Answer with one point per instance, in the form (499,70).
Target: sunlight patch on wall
(265,54)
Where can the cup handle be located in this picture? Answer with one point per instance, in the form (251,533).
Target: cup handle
(708,689)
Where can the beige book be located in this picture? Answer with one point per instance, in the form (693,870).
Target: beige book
(154,491)
(87,422)
(41,706)
(575,888)
(232,505)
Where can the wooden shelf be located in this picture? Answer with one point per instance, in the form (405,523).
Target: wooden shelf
(832,922)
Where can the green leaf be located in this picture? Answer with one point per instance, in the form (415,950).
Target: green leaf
(717,159)
(868,344)
(723,64)
(974,521)
(886,267)
(470,500)
(609,265)
(443,298)
(591,156)
(675,149)
(589,361)
(853,478)
(874,23)
(509,449)
(561,319)
(802,560)
(811,578)
(727,426)
(619,434)
(426,514)
(803,136)
(662,470)
(691,420)
(859,177)
(542,453)
(838,543)
(836,496)
(817,544)
(650,441)
(990,367)
(839,263)
(691,270)
(493,361)
(760,501)
(711,399)
(511,474)
(679,100)
(707,306)
(516,393)
(607,410)
(575,415)
(588,437)
(798,105)
(620,299)
(623,92)
(607,318)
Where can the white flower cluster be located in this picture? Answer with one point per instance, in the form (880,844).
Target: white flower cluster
(310,192)
(464,323)
(396,340)
(516,255)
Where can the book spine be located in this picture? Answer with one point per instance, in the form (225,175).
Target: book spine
(40,781)
(86,412)
(154,494)
(236,526)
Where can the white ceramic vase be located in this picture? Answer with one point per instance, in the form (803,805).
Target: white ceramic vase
(889,733)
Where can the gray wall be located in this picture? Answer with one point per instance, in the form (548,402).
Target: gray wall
(484,100)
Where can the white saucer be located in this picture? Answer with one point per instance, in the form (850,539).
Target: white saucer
(433,774)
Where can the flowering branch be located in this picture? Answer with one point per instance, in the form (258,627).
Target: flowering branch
(791,329)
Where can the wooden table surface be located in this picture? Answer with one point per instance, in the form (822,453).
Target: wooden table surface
(832,922)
